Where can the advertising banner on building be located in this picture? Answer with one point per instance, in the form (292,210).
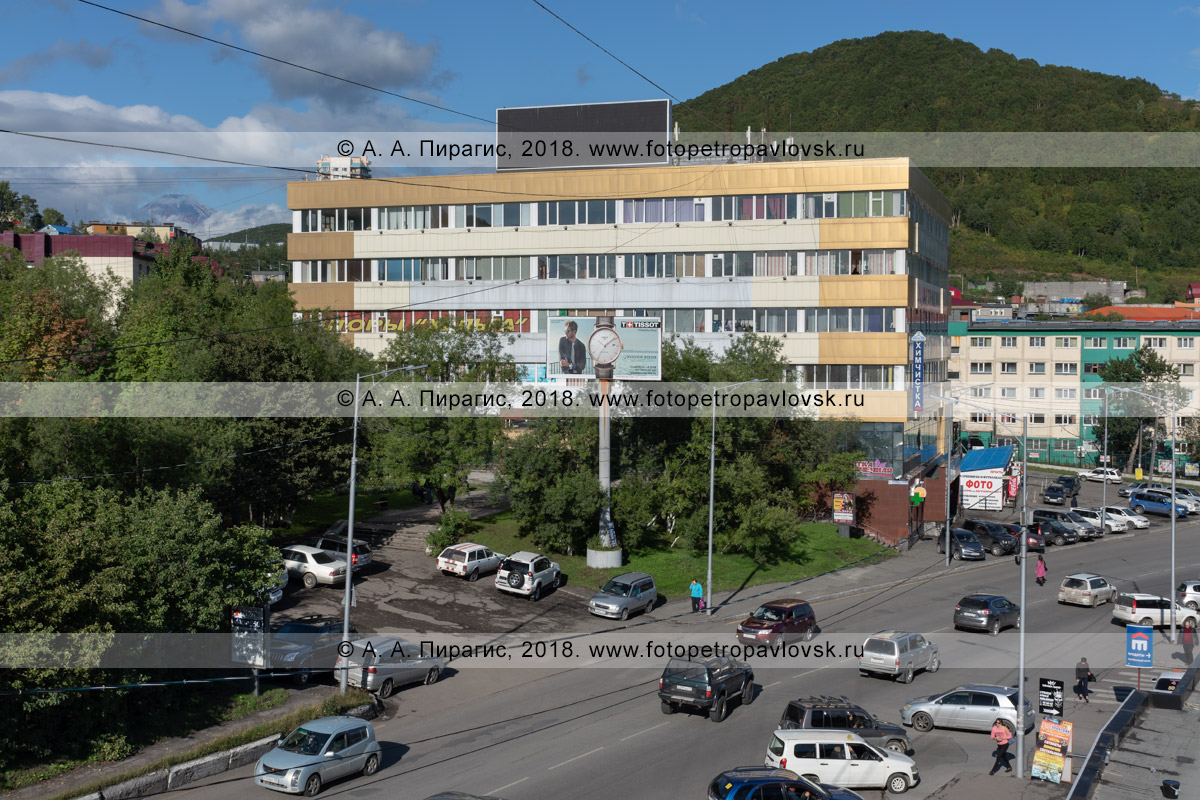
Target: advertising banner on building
(1050,761)
(918,372)
(983,490)
(1191,470)
(843,508)
(639,355)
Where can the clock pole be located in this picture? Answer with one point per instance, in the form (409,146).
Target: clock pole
(604,373)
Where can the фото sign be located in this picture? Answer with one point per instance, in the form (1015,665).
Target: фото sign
(918,371)
(1139,646)
(983,490)
(1050,697)
(843,508)
(640,357)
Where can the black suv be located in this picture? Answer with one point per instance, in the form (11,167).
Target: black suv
(838,713)
(740,783)
(706,686)
(1070,484)
(306,644)
(993,536)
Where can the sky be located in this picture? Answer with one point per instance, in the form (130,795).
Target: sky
(71,66)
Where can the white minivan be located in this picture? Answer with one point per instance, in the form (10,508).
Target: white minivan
(840,758)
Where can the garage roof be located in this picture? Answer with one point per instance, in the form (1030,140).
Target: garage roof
(987,458)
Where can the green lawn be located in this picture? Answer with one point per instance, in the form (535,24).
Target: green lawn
(820,551)
(314,516)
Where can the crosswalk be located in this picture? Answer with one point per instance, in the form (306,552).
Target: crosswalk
(1111,687)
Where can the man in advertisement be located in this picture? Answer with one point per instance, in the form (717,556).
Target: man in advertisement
(571,354)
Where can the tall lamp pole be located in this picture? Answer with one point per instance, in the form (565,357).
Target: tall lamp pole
(348,594)
(712,473)
(949,457)
(1104,486)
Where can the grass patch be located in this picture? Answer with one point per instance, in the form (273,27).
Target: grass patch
(332,706)
(243,705)
(314,516)
(820,550)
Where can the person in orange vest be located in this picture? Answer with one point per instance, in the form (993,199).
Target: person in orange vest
(1001,736)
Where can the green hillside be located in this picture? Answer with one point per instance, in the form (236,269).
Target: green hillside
(1141,225)
(263,234)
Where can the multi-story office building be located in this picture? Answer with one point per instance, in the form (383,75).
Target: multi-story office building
(337,168)
(842,261)
(1050,373)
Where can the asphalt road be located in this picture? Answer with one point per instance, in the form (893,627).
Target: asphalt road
(598,732)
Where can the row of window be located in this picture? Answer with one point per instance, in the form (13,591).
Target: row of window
(1034,419)
(820,205)
(1035,367)
(1089,342)
(846,376)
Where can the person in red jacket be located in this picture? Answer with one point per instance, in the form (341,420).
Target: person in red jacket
(1001,736)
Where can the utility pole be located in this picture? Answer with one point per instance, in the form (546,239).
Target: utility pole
(1021,631)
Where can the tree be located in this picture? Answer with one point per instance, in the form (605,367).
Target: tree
(1147,372)
(1096,300)
(1007,288)
(52,216)
(148,234)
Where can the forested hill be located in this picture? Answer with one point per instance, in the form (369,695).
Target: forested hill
(1138,225)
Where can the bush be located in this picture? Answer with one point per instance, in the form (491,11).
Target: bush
(455,526)
(112,747)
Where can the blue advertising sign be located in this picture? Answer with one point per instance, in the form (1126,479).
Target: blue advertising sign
(1139,646)
(918,371)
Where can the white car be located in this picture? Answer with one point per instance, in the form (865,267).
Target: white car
(1102,474)
(1134,520)
(528,574)
(1098,518)
(1187,501)
(840,758)
(468,560)
(1150,609)
(313,566)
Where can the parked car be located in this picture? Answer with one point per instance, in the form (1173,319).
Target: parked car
(705,686)
(1068,519)
(764,782)
(468,560)
(1187,491)
(1149,609)
(838,713)
(1101,474)
(1184,500)
(1070,483)
(898,653)
(1101,521)
(1034,540)
(275,593)
(306,644)
(974,707)
(778,621)
(1128,491)
(313,566)
(319,752)
(986,612)
(528,574)
(841,759)
(965,546)
(381,665)
(1131,519)
(993,536)
(1188,594)
(1151,502)
(1086,589)
(624,595)
(336,547)
(1055,494)
(1057,533)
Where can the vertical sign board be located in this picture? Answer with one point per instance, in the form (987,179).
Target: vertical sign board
(1050,697)
(249,625)
(1139,646)
(1050,759)
(843,508)
(918,372)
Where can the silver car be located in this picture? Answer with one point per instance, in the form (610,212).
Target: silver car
(624,595)
(1086,589)
(381,665)
(974,707)
(1101,520)
(318,752)
(313,566)
(1131,519)
(898,653)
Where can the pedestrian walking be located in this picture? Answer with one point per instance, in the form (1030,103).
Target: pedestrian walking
(697,595)
(1083,675)
(1001,736)
(1041,571)
(1074,503)
(1189,642)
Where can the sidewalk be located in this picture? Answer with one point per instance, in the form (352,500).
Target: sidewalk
(422,519)
(1163,745)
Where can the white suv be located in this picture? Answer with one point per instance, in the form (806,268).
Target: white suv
(467,560)
(1150,609)
(527,574)
(1098,518)
(1107,474)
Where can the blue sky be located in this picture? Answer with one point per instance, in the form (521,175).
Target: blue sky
(69,66)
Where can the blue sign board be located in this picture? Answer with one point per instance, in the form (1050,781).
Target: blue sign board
(918,371)
(1139,646)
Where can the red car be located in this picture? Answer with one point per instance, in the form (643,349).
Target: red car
(1035,540)
(777,622)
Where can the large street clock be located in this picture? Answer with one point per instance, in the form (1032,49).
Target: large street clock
(604,346)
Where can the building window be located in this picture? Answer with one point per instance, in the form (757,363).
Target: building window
(1064,394)
(1094,342)
(1065,368)
(1064,419)
(980,416)
(1123,343)
(1186,342)
(1038,393)
(1008,341)
(1091,419)
(1008,368)
(1008,393)
(1037,367)
(1092,369)
(981,391)
(1187,370)
(981,368)
(1066,341)
(1064,445)
(1011,419)
(1093,394)
(1156,342)
(1037,341)
(1038,444)
(981,341)
(1037,419)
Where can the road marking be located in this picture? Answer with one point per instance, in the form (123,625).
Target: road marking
(639,733)
(509,785)
(576,758)
(769,685)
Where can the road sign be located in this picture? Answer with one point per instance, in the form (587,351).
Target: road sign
(1139,646)
(1050,697)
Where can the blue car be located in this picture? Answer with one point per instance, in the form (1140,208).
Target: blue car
(1154,503)
(741,782)
(318,752)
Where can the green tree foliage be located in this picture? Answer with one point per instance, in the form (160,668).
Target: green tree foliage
(1145,371)
(1096,300)
(52,216)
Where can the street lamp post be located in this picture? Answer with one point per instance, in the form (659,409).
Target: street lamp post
(1104,487)
(712,473)
(949,456)
(343,676)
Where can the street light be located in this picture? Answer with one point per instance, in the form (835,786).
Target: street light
(343,678)
(712,472)
(1174,499)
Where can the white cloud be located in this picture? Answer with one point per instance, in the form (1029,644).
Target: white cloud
(223,222)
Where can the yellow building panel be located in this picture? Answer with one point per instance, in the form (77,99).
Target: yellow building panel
(883,232)
(320,246)
(807,176)
(863,348)
(380,296)
(877,407)
(336,296)
(864,290)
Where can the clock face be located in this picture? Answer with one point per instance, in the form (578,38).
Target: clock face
(604,345)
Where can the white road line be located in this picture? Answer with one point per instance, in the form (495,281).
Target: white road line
(509,785)
(639,733)
(576,758)
(769,685)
